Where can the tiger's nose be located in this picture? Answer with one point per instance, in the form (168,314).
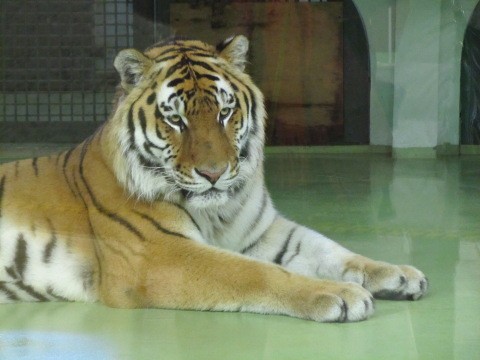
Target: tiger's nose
(211,174)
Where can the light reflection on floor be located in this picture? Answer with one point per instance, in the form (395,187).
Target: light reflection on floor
(34,345)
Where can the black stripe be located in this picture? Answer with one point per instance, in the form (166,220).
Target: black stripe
(253,110)
(64,170)
(297,251)
(9,293)
(194,48)
(131,124)
(146,162)
(166,58)
(97,205)
(75,183)
(281,253)
(157,225)
(158,114)
(214,88)
(16,169)
(175,67)
(201,64)
(148,144)
(30,291)
(254,243)
(204,55)
(257,218)
(185,73)
(87,276)
(115,250)
(148,165)
(262,208)
(234,86)
(143,120)
(35,165)
(190,94)
(253,105)
(143,124)
(208,76)
(175,82)
(171,97)
(47,253)
(169,157)
(165,107)
(2,190)
(11,272)
(146,147)
(151,98)
(223,219)
(50,292)
(212,94)
(245,151)
(169,50)
(82,196)
(96,247)
(20,259)
(237,188)
(247,103)
(179,92)
(159,134)
(131,128)
(188,214)
(193,51)
(98,252)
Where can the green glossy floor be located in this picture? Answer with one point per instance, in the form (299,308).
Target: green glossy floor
(421,212)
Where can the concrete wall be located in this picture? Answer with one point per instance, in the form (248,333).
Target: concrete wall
(415,53)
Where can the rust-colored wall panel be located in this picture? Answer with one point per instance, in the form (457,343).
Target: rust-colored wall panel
(296,59)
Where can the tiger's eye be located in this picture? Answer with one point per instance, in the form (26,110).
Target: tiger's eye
(225,111)
(176,119)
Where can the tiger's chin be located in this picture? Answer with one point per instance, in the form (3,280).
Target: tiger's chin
(211,198)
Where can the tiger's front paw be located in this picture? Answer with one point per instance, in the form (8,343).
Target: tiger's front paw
(336,302)
(387,281)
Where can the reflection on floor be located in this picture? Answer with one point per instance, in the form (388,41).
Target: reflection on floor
(421,212)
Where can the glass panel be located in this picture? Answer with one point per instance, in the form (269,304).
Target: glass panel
(56,62)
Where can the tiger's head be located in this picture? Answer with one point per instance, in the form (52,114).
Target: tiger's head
(188,121)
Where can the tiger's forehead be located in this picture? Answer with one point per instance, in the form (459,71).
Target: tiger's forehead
(183,94)
(173,46)
(189,72)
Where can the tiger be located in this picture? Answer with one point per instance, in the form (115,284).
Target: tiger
(165,206)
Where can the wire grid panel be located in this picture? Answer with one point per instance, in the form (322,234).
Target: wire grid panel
(56,58)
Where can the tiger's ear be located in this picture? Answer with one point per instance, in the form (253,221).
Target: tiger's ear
(131,65)
(234,49)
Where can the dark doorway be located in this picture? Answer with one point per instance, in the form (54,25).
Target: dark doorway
(356,72)
(470,82)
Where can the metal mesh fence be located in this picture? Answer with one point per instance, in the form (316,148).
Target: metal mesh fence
(56,61)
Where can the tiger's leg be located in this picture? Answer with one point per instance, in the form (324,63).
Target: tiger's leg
(307,252)
(189,275)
